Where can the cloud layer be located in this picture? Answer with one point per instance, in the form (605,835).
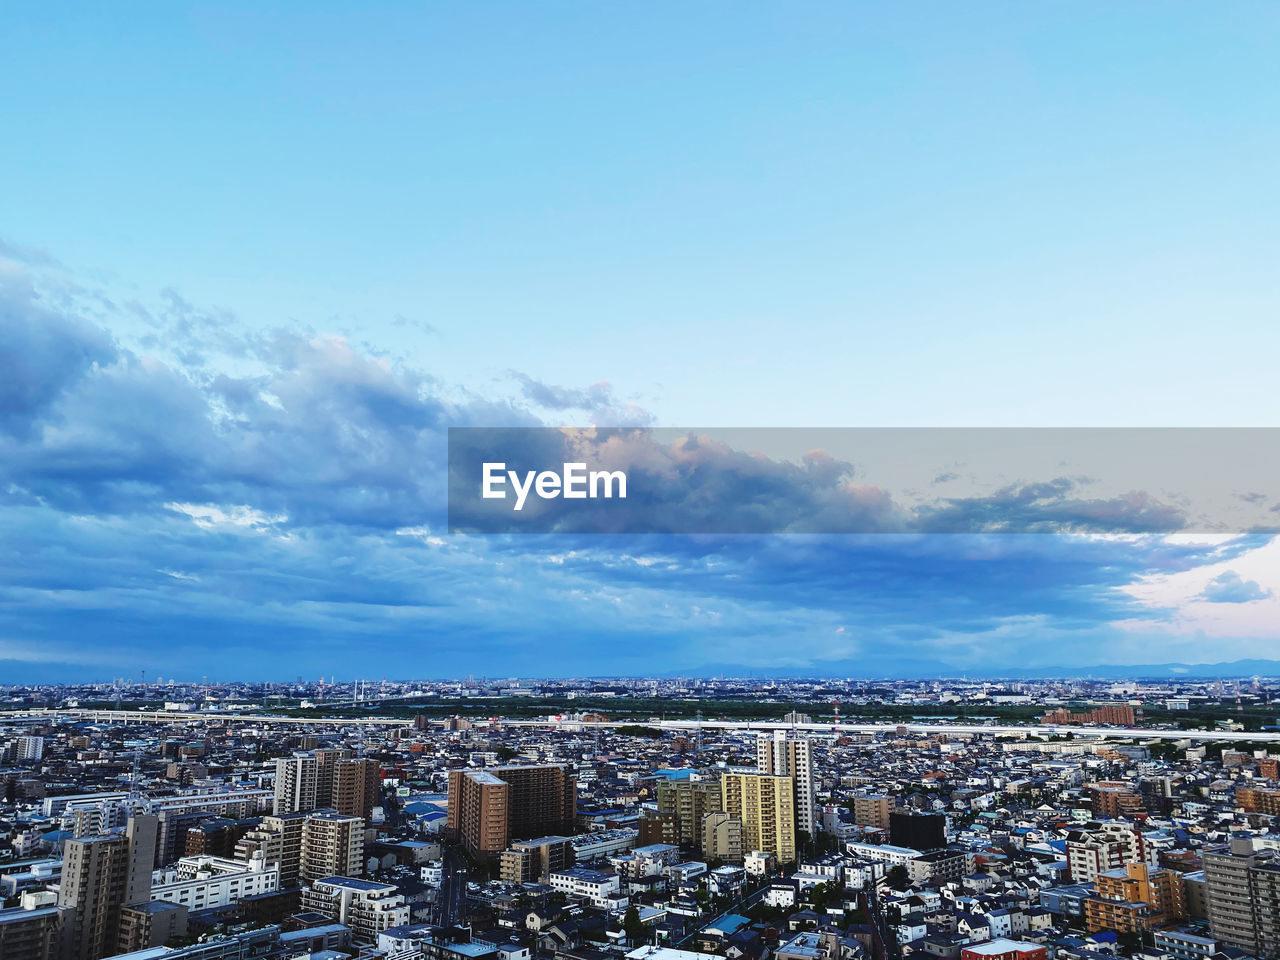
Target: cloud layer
(182,493)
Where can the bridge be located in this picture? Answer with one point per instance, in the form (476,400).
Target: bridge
(690,726)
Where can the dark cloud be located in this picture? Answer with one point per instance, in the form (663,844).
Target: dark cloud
(42,353)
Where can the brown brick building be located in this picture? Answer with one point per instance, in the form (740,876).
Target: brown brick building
(489,808)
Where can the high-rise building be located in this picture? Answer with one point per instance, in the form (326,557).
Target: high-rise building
(297,783)
(100,876)
(332,845)
(279,840)
(687,802)
(785,754)
(489,808)
(327,760)
(1242,889)
(29,748)
(356,787)
(721,837)
(765,805)
(872,810)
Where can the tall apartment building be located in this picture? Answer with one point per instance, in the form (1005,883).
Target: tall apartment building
(488,808)
(786,755)
(872,810)
(100,876)
(1135,899)
(1242,889)
(687,802)
(279,839)
(297,783)
(766,807)
(332,845)
(29,748)
(327,760)
(1106,846)
(722,837)
(357,786)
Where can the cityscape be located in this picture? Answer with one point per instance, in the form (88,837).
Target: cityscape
(553,480)
(647,819)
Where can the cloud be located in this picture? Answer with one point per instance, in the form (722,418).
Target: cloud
(1229,587)
(208,497)
(597,400)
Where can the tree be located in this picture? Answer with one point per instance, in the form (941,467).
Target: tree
(633,926)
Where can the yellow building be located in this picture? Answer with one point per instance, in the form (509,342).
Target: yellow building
(766,807)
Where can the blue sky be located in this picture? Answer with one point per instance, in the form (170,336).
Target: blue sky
(255,261)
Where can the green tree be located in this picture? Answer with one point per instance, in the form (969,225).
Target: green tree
(633,927)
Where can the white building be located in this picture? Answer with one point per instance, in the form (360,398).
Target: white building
(601,889)
(365,906)
(198,883)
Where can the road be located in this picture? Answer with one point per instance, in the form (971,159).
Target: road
(760,726)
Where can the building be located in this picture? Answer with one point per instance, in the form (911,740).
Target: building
(1242,886)
(1116,715)
(920,831)
(1135,899)
(327,760)
(785,754)
(1113,799)
(29,931)
(366,907)
(100,876)
(1107,846)
(357,788)
(685,803)
(722,837)
(279,839)
(152,924)
(765,805)
(199,883)
(597,887)
(29,749)
(872,810)
(489,808)
(1003,949)
(297,781)
(332,846)
(530,860)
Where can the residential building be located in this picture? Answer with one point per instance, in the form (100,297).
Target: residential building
(786,754)
(489,808)
(765,805)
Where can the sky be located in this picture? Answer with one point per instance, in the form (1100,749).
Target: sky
(255,262)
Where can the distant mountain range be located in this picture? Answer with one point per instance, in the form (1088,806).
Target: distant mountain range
(920,671)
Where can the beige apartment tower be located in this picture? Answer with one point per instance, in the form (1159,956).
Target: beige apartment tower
(100,876)
(766,807)
(686,802)
(332,846)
